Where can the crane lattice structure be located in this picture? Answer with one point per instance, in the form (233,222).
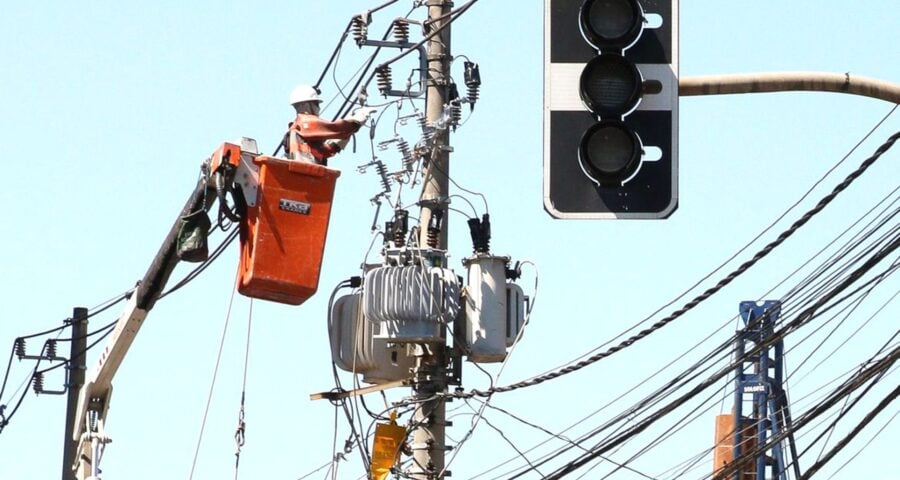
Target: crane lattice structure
(759,380)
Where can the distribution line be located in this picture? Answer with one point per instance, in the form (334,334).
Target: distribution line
(342,403)
(877,369)
(748,244)
(845,410)
(624,415)
(512,349)
(825,201)
(798,424)
(631,410)
(106,330)
(507,440)
(866,446)
(803,318)
(658,393)
(847,406)
(561,437)
(810,289)
(845,339)
(6,417)
(801,435)
(701,410)
(344,38)
(453,17)
(212,384)
(832,271)
(344,108)
(239,434)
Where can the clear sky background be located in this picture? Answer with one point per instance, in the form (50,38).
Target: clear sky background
(108,109)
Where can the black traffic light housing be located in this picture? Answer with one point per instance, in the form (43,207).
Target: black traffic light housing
(611,108)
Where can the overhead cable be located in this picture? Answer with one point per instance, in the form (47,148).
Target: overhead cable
(705,295)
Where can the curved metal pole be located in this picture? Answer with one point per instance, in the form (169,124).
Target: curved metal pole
(789,81)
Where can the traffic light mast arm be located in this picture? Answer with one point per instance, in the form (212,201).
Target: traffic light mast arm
(789,81)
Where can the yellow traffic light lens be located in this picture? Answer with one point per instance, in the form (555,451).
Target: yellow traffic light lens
(610,86)
(612,24)
(610,153)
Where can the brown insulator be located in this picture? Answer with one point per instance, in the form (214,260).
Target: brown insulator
(473,82)
(360,30)
(37,381)
(399,239)
(401,30)
(409,161)
(384,79)
(423,123)
(383,176)
(455,114)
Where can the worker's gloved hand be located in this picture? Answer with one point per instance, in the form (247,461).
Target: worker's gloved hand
(360,115)
(338,145)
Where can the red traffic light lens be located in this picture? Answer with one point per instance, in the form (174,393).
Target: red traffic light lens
(610,153)
(611,24)
(610,85)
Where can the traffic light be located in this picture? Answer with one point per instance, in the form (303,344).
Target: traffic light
(610,108)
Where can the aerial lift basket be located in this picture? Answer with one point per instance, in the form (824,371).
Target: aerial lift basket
(283,234)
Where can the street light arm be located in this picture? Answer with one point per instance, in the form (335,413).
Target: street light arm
(789,81)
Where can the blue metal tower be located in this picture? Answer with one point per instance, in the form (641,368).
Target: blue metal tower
(760,376)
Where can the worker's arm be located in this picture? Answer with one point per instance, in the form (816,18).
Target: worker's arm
(329,138)
(314,129)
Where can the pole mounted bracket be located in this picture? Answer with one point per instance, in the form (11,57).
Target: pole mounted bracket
(434,202)
(423,65)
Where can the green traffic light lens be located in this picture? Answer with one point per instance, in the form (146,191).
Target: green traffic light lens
(611,24)
(611,85)
(610,153)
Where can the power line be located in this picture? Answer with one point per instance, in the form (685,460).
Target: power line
(758,236)
(212,383)
(825,201)
(872,284)
(864,447)
(803,318)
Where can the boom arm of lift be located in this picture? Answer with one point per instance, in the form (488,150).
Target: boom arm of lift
(94,396)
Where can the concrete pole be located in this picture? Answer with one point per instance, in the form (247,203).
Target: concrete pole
(77,366)
(430,376)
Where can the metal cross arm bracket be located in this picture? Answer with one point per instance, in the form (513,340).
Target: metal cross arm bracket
(423,66)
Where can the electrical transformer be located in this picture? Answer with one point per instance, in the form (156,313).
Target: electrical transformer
(354,348)
(412,298)
(350,335)
(515,312)
(494,308)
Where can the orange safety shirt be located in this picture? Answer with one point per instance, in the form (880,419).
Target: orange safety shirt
(308,134)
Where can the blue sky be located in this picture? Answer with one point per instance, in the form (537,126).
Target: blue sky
(108,109)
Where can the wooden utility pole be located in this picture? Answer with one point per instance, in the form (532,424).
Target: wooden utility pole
(430,374)
(76,367)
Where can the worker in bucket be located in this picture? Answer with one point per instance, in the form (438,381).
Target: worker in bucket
(312,139)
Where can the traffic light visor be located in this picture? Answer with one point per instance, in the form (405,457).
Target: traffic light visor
(610,85)
(610,153)
(611,23)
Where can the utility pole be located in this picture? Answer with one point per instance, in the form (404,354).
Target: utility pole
(76,368)
(430,373)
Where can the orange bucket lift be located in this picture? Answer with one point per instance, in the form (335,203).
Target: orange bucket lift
(283,235)
(284,228)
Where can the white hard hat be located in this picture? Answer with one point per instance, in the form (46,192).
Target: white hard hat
(304,93)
